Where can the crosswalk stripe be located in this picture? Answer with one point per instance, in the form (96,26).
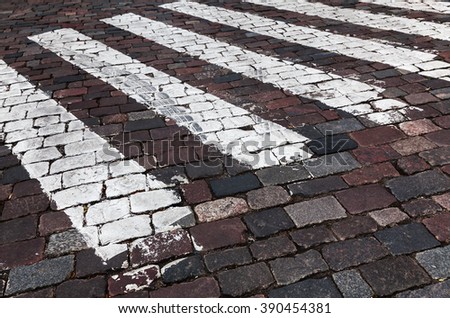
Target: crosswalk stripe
(247,137)
(76,177)
(358,17)
(418,5)
(328,88)
(402,58)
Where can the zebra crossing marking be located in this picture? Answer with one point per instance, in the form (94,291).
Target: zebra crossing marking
(328,88)
(358,17)
(402,58)
(74,181)
(419,5)
(247,137)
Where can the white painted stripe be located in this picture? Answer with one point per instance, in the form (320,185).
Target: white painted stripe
(87,166)
(360,17)
(406,59)
(207,116)
(420,5)
(295,78)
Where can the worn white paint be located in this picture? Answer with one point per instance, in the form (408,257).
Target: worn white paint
(295,78)
(371,50)
(417,5)
(361,17)
(170,97)
(76,180)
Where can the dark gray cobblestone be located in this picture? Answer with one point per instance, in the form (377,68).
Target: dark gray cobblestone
(439,290)
(406,239)
(352,285)
(42,274)
(288,270)
(309,288)
(231,257)
(436,262)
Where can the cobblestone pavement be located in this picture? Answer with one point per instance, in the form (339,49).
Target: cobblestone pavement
(224,149)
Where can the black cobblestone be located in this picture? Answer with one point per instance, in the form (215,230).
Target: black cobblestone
(267,222)
(424,183)
(318,186)
(406,239)
(234,185)
(236,256)
(309,288)
(182,269)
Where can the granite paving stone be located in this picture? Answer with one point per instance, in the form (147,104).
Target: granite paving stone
(199,170)
(41,293)
(25,206)
(220,209)
(132,281)
(375,154)
(245,279)
(412,164)
(205,287)
(412,145)
(233,185)
(371,174)
(377,136)
(172,218)
(443,200)
(439,226)
(341,255)
(65,243)
(288,270)
(267,222)
(282,174)
(406,239)
(18,229)
(439,290)
(365,198)
(182,269)
(196,192)
(21,253)
(403,274)
(418,127)
(231,257)
(272,247)
(388,217)
(331,164)
(440,137)
(318,186)
(340,126)
(352,285)
(267,197)
(2,286)
(88,263)
(312,236)
(217,234)
(315,211)
(308,288)
(52,222)
(82,288)
(354,226)
(437,157)
(423,183)
(421,207)
(45,273)
(160,246)
(436,262)
(332,144)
